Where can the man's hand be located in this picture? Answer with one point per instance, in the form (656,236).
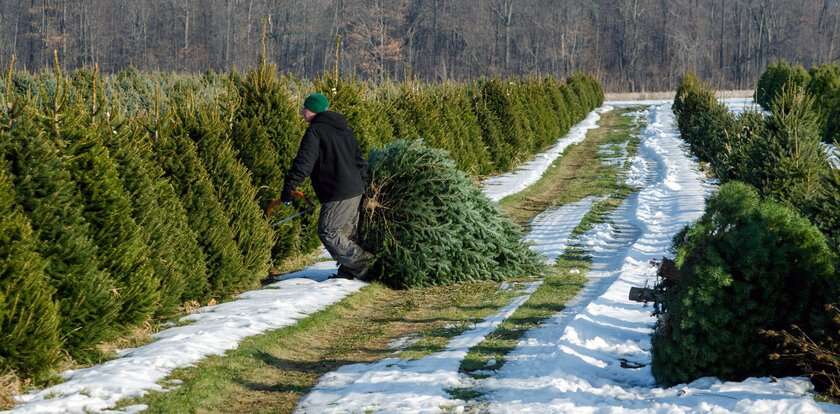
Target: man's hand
(288,196)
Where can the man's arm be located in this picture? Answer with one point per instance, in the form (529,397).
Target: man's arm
(302,165)
(362,164)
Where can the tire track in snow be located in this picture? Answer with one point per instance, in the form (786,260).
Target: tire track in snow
(397,385)
(550,231)
(833,154)
(574,362)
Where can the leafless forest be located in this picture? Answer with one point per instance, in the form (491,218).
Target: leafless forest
(631,45)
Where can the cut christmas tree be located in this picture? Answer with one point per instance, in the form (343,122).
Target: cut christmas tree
(430,225)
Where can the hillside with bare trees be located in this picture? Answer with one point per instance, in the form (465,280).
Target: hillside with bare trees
(631,45)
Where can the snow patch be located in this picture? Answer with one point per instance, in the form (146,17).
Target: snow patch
(594,357)
(551,229)
(740,105)
(833,154)
(501,186)
(410,386)
(214,330)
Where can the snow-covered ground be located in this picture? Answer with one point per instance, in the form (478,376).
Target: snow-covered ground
(396,385)
(833,154)
(583,359)
(739,106)
(216,329)
(594,356)
(551,229)
(501,186)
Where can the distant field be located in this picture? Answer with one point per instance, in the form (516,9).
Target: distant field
(632,96)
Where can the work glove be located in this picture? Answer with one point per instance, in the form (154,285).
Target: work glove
(287,196)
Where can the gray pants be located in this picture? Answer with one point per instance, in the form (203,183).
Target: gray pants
(337,230)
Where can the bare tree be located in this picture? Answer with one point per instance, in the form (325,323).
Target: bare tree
(629,44)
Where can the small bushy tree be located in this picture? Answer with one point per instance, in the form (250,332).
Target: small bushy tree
(124,253)
(207,127)
(513,132)
(176,153)
(776,78)
(747,265)
(788,163)
(364,112)
(461,125)
(266,131)
(175,255)
(491,129)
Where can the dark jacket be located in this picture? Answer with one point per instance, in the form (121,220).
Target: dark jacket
(329,153)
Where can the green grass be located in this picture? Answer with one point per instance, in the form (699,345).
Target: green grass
(576,175)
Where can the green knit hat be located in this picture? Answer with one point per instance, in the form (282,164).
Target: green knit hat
(316,102)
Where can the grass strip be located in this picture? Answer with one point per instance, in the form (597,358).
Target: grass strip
(272,371)
(577,174)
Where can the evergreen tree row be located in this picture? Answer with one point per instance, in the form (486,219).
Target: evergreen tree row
(821,82)
(124,197)
(763,258)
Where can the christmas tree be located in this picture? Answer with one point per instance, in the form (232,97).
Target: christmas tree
(175,255)
(554,92)
(206,126)
(49,197)
(747,265)
(788,163)
(266,132)
(176,153)
(429,224)
(363,111)
(514,131)
(491,128)
(460,124)
(29,333)
(108,209)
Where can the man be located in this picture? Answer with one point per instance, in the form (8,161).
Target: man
(330,153)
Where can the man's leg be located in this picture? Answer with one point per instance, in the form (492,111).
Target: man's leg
(336,225)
